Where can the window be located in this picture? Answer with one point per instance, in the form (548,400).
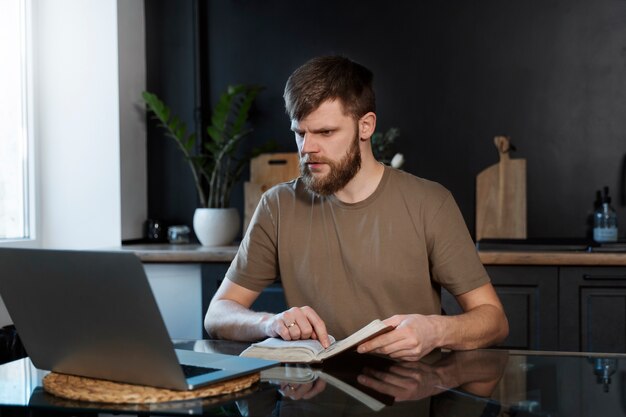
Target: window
(15,213)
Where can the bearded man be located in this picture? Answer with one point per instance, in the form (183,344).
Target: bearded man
(353,240)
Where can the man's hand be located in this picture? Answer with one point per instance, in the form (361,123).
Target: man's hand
(298,323)
(482,324)
(413,337)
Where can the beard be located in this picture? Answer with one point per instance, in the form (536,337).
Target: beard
(340,172)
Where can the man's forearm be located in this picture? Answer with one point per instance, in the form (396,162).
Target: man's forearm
(416,335)
(482,326)
(227,319)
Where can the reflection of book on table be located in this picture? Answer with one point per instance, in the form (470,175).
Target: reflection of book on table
(304,374)
(311,350)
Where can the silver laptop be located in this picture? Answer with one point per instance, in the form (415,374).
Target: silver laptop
(93,314)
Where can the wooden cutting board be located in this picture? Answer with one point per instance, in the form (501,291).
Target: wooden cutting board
(501,196)
(267,170)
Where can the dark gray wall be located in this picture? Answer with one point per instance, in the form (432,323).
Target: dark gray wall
(171,75)
(451,76)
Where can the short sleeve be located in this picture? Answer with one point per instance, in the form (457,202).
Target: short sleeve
(255,265)
(453,258)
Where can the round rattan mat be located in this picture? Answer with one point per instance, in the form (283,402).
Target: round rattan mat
(98,390)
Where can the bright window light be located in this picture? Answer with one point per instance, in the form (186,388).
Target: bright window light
(14,215)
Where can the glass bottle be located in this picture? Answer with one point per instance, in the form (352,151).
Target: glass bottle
(605,220)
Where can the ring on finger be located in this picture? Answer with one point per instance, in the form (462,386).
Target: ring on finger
(290,325)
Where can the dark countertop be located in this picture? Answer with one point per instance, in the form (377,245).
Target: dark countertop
(551,251)
(181,253)
(565,258)
(194,253)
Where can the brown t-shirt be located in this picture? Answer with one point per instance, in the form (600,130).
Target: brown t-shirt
(353,263)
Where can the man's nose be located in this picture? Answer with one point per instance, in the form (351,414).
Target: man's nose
(308,144)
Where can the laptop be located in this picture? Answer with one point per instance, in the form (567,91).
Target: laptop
(93,314)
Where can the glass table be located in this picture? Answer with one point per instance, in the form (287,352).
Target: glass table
(474,383)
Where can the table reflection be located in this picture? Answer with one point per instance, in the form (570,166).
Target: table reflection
(356,383)
(488,382)
(472,383)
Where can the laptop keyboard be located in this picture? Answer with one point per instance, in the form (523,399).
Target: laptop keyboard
(190,371)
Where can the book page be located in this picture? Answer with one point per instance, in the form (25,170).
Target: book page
(311,350)
(286,350)
(276,343)
(371,330)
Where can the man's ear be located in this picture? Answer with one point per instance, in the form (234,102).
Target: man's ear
(367,125)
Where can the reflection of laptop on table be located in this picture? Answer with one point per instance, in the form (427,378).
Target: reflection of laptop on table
(93,314)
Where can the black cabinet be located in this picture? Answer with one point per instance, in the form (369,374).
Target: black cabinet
(565,308)
(529,296)
(592,309)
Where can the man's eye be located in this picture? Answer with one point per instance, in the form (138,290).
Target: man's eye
(327,132)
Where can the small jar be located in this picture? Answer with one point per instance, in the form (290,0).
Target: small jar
(605,220)
(178,234)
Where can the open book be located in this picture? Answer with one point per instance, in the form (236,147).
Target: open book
(304,351)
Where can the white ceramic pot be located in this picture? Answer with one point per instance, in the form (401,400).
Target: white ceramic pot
(216,226)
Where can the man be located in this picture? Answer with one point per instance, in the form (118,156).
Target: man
(353,240)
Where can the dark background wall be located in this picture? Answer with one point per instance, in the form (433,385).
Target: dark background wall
(451,75)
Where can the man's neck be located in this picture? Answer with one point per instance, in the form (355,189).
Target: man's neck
(363,184)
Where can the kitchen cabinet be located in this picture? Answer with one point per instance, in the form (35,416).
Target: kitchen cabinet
(560,307)
(177,289)
(592,309)
(549,307)
(569,301)
(528,295)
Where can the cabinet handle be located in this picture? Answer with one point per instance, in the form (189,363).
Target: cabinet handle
(604,277)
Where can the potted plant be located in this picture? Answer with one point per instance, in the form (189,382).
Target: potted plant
(382,147)
(213,159)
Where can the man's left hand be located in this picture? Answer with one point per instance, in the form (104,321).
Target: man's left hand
(413,336)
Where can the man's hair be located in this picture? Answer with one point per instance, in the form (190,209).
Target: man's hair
(329,78)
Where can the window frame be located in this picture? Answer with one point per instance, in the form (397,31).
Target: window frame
(32,217)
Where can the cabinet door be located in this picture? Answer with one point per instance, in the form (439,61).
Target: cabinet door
(593,309)
(177,290)
(529,297)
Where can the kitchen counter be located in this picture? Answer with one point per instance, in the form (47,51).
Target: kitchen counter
(194,253)
(552,258)
(181,253)
(551,251)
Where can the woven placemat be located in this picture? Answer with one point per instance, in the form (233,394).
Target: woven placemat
(98,390)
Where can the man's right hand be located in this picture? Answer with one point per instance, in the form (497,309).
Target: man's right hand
(229,317)
(298,323)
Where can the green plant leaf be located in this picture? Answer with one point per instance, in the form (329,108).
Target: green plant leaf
(190,142)
(215,134)
(212,148)
(221,112)
(215,163)
(249,95)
